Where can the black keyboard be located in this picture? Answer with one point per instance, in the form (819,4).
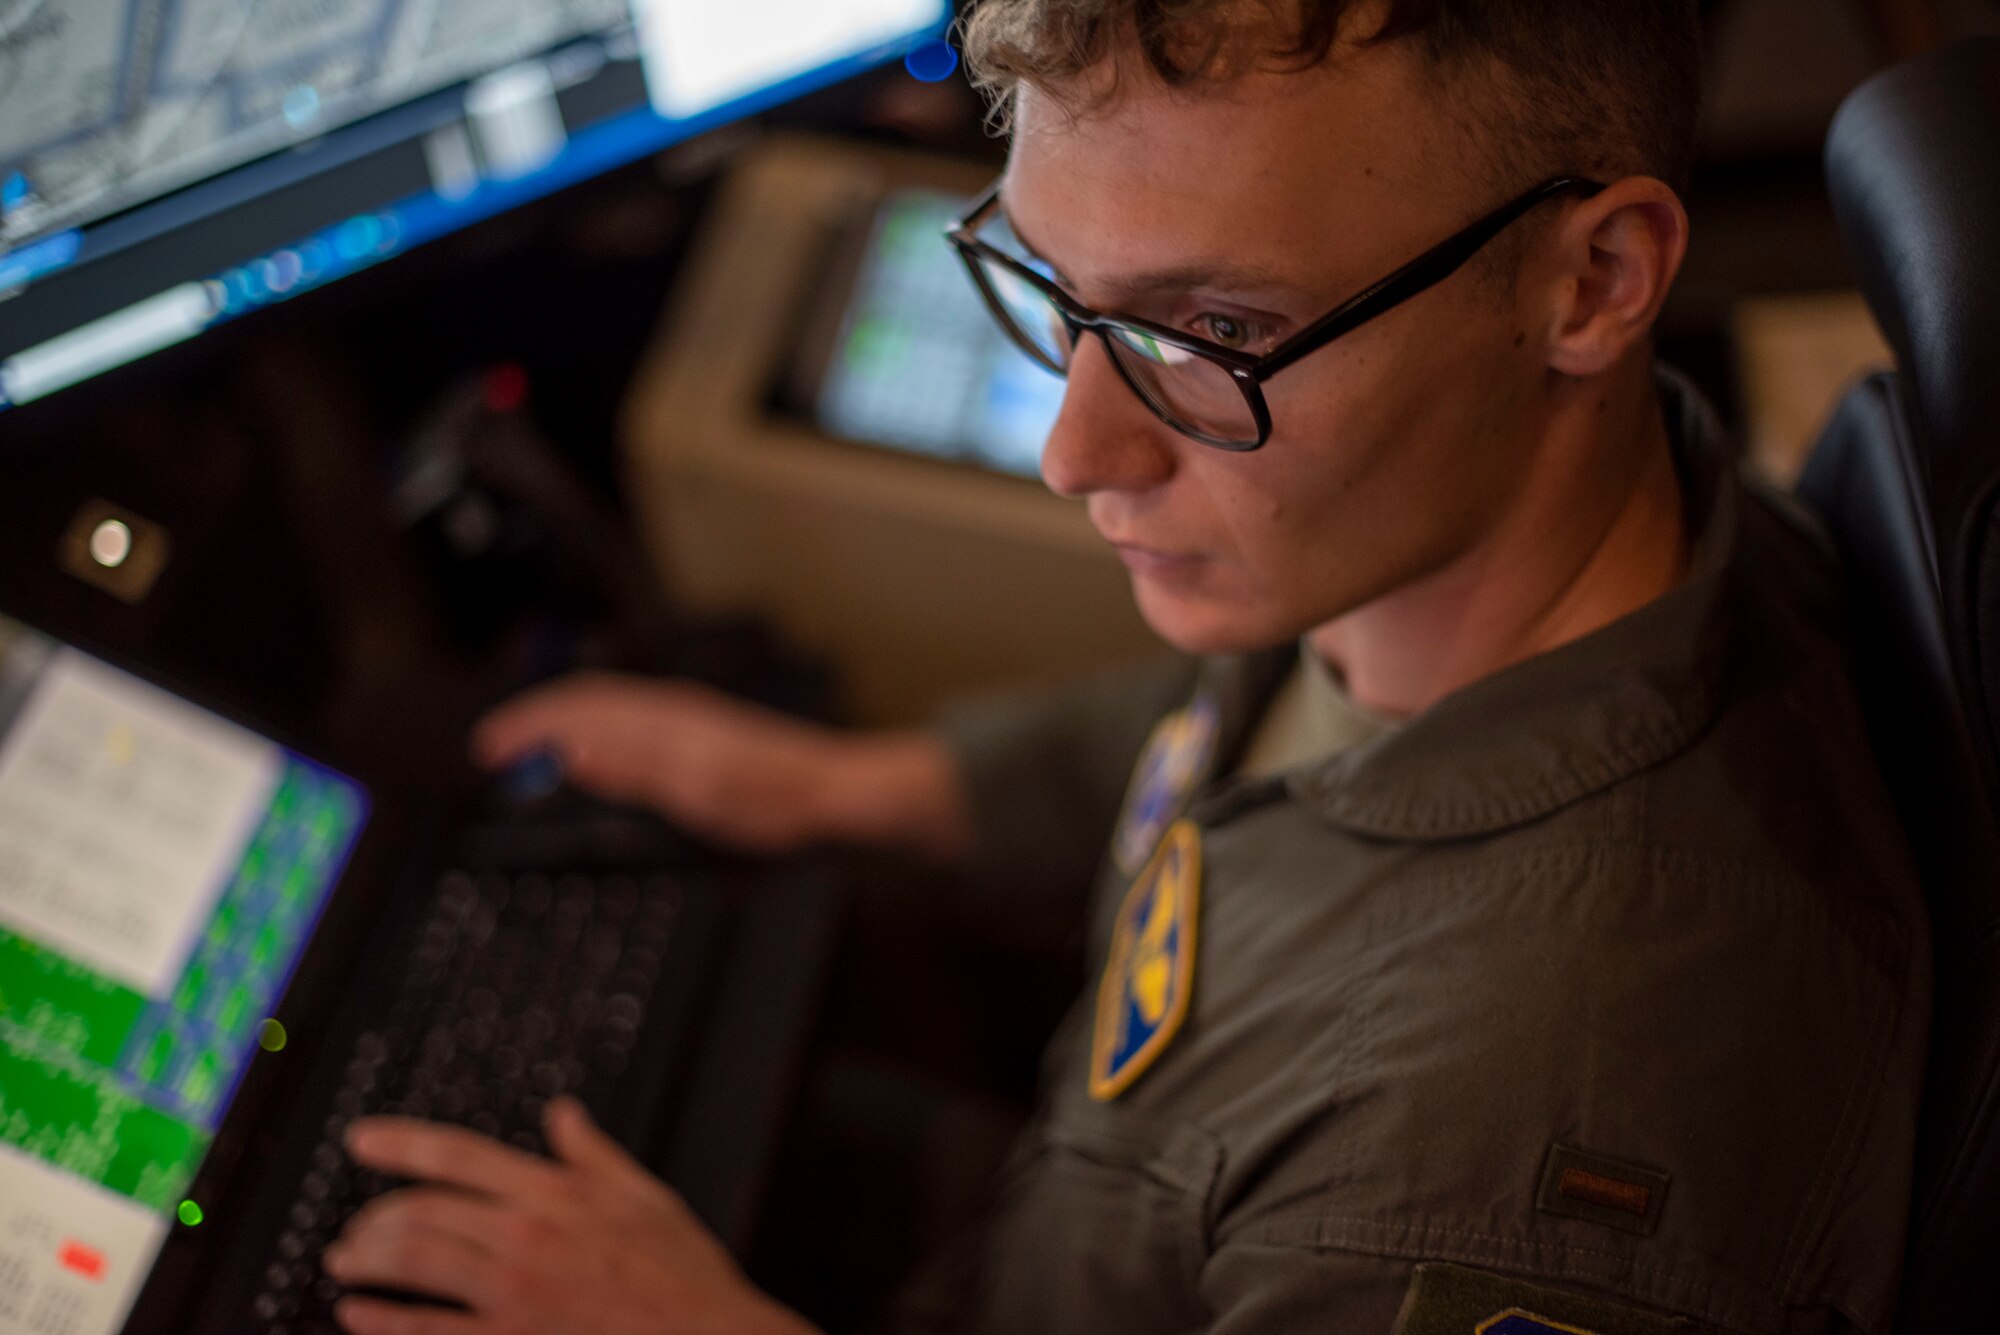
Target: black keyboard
(518,987)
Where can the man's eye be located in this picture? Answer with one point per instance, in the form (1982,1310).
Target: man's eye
(1228,330)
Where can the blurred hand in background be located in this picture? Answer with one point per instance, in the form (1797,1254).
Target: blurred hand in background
(733,772)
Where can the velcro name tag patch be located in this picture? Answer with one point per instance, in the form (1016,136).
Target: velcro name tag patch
(1149,975)
(1581,1185)
(1454,1300)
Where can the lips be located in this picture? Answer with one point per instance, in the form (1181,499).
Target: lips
(1143,560)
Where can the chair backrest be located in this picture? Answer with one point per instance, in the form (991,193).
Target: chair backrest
(1908,478)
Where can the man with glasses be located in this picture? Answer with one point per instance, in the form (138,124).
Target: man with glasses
(1210,391)
(1503,928)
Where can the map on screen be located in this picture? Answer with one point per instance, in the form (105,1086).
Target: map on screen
(104,103)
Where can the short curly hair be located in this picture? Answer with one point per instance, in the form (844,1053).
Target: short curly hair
(1606,87)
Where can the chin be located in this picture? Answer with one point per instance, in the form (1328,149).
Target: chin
(1203,626)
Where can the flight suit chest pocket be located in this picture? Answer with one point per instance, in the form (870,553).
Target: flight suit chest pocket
(1103,1224)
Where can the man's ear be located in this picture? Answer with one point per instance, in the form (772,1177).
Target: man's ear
(1616,258)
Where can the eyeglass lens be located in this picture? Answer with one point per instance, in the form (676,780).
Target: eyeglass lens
(1190,392)
(1034,319)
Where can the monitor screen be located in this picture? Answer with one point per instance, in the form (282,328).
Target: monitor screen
(919,363)
(161,871)
(169,165)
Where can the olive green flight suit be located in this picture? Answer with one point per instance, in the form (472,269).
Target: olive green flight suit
(1597,994)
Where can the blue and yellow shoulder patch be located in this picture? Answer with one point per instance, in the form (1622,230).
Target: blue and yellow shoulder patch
(1454,1300)
(1175,758)
(1149,975)
(1516,1322)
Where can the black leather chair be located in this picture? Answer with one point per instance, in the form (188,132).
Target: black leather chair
(1908,478)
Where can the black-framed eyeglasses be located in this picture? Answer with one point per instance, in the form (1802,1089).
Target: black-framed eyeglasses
(1201,388)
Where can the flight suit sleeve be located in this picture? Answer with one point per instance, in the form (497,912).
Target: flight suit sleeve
(1045,775)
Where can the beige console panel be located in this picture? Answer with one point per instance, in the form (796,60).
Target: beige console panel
(919,580)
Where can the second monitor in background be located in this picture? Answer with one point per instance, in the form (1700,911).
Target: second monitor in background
(900,351)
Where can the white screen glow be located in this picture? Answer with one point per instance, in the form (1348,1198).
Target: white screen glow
(700,54)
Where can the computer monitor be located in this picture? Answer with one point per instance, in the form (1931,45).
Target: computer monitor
(168,166)
(915,361)
(161,872)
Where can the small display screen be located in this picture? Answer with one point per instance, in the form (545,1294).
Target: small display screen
(920,365)
(161,871)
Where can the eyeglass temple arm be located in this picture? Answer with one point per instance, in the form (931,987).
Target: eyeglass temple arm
(1426,271)
(962,226)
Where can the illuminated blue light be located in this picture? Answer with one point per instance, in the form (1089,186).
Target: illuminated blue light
(236,285)
(357,237)
(44,256)
(933,61)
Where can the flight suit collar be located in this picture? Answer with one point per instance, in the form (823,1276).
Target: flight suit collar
(1542,734)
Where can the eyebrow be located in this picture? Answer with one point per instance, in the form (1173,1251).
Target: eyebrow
(1201,275)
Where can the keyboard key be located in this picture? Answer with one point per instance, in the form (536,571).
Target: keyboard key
(517,989)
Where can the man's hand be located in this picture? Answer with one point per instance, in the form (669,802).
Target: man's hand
(734,772)
(586,1244)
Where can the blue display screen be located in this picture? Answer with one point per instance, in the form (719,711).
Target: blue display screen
(229,113)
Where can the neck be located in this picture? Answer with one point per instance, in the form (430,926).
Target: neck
(1597,532)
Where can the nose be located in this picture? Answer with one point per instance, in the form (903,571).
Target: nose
(1104,438)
